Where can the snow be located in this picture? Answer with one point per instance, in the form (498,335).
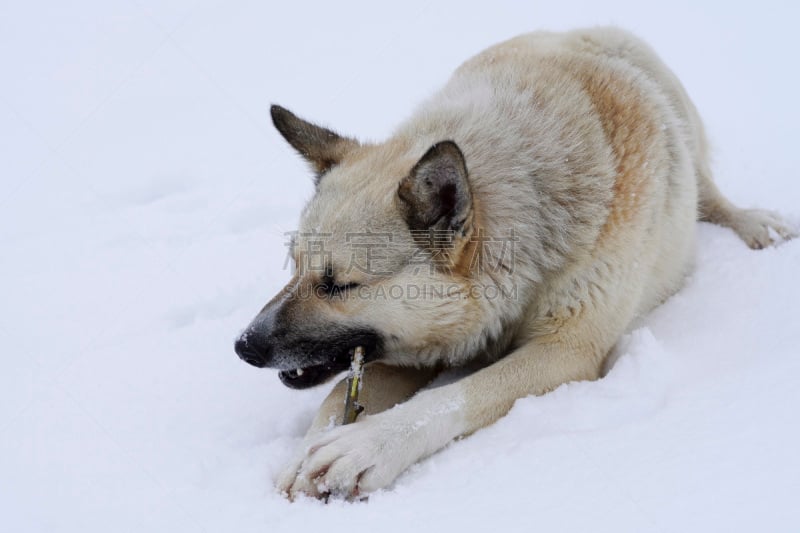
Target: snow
(143,207)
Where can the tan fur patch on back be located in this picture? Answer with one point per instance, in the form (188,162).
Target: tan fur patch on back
(629,125)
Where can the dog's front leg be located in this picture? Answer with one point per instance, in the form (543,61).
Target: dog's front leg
(383,387)
(370,454)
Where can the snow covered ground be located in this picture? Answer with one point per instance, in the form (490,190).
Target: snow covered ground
(143,201)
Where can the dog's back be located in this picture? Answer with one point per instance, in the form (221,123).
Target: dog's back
(586,144)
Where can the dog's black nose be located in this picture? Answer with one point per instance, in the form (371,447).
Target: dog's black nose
(257,354)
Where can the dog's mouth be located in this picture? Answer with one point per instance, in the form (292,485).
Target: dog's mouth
(309,376)
(312,375)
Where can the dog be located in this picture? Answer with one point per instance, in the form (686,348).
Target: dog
(515,226)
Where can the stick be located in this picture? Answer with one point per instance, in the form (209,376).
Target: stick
(354,379)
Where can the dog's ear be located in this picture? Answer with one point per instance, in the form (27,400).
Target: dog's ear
(320,146)
(436,194)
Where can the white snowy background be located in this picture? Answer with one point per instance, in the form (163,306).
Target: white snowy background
(143,199)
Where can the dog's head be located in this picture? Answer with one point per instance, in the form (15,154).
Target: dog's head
(379,258)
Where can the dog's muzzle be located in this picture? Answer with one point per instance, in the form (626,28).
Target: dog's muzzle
(306,362)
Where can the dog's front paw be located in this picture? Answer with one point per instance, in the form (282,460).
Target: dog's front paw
(348,461)
(287,477)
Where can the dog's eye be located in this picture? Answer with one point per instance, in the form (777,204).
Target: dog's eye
(334,289)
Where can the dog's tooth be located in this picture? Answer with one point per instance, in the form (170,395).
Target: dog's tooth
(298,371)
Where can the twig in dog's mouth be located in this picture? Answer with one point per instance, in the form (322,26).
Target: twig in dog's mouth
(354,381)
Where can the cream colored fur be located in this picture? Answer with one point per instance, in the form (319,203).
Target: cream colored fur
(586,145)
